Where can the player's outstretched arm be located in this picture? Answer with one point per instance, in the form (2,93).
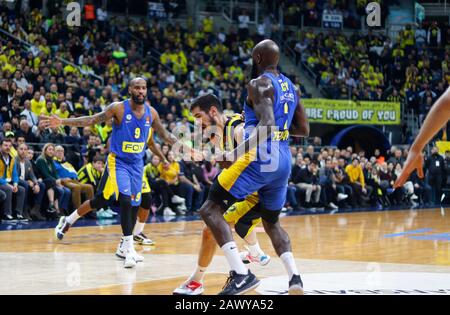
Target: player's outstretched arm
(84,121)
(260,94)
(436,119)
(156,150)
(300,124)
(169,138)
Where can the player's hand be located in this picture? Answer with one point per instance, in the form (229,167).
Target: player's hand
(51,122)
(15,188)
(413,162)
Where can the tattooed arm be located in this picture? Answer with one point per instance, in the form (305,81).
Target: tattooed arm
(169,138)
(156,150)
(84,121)
(165,136)
(260,95)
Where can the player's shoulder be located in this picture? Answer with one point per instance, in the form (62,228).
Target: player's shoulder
(235,119)
(260,81)
(117,104)
(260,85)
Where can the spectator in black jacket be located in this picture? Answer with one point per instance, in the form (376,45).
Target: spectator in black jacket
(421,189)
(26,132)
(307,179)
(435,167)
(34,189)
(445,181)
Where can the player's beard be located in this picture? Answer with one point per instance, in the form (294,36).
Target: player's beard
(136,100)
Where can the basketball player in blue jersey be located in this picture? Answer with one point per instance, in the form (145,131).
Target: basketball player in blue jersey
(227,134)
(132,120)
(272,112)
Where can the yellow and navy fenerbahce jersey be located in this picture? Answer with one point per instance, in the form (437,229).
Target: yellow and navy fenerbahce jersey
(228,139)
(129,139)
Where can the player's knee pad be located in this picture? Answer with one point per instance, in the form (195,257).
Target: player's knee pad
(146,201)
(98,202)
(270,216)
(220,196)
(125,202)
(242,229)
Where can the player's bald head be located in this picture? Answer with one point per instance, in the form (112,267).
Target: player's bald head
(138,90)
(137,81)
(266,53)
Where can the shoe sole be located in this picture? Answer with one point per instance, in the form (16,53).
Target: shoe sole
(142,243)
(130,266)
(296,290)
(251,288)
(123,257)
(176,293)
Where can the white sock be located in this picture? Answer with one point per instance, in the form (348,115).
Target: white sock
(128,243)
(255,250)
(289,264)
(73,217)
(138,227)
(198,274)
(234,260)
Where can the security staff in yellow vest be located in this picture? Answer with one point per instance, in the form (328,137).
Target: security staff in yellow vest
(9,184)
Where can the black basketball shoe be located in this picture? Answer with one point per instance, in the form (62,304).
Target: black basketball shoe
(295,285)
(238,284)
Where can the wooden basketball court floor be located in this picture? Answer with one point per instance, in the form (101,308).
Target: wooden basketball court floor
(385,252)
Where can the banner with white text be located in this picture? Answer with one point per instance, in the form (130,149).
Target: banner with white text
(346,112)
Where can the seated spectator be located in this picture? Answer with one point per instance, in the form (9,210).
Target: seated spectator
(69,178)
(46,166)
(37,104)
(161,188)
(171,173)
(26,132)
(189,175)
(34,189)
(356,178)
(307,179)
(397,158)
(91,173)
(327,180)
(9,184)
(31,117)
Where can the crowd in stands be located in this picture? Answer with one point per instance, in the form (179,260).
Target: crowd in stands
(47,172)
(341,178)
(311,11)
(412,68)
